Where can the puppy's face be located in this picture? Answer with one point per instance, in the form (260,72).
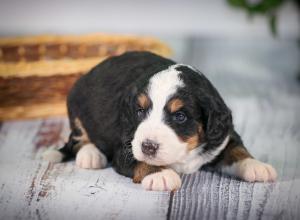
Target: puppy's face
(171,120)
(165,136)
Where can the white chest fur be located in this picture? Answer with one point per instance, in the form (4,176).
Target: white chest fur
(195,159)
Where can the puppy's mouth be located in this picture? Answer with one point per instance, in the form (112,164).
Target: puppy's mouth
(153,160)
(155,153)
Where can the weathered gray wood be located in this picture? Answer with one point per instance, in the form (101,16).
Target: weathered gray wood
(208,195)
(33,189)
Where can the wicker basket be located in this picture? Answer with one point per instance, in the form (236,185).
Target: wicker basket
(36,73)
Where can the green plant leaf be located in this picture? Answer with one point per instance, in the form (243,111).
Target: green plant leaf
(273,25)
(237,3)
(265,7)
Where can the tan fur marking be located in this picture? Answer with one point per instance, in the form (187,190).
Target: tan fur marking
(239,153)
(235,154)
(143,101)
(200,133)
(194,140)
(83,139)
(175,104)
(142,169)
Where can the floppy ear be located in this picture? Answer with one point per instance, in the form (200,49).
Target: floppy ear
(216,116)
(217,120)
(123,160)
(127,116)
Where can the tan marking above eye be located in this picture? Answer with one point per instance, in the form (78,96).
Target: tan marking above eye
(143,101)
(175,104)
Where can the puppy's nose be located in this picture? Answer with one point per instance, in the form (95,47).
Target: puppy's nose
(149,147)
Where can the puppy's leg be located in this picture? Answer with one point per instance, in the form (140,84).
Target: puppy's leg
(90,157)
(151,177)
(157,178)
(236,160)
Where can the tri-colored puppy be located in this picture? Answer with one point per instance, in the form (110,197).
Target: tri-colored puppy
(154,119)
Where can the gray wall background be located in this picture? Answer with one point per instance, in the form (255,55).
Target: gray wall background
(209,18)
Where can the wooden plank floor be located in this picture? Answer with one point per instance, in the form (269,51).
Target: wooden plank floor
(266,110)
(33,189)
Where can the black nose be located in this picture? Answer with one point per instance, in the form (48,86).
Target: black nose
(149,147)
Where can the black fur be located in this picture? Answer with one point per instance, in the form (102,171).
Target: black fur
(212,110)
(105,101)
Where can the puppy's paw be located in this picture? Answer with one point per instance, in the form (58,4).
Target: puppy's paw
(165,180)
(252,170)
(90,157)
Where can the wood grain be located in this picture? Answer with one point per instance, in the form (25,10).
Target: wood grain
(33,189)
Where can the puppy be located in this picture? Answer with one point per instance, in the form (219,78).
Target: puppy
(153,119)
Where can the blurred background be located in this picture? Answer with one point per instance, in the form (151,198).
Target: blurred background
(216,19)
(212,35)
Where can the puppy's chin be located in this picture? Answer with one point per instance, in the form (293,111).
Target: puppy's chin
(155,161)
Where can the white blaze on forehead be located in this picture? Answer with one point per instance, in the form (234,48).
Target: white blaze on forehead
(161,87)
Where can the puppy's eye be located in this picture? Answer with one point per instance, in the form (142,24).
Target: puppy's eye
(179,117)
(141,113)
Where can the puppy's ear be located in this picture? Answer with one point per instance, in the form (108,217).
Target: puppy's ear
(128,100)
(217,120)
(213,112)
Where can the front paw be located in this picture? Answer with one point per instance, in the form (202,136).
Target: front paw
(252,170)
(90,157)
(165,180)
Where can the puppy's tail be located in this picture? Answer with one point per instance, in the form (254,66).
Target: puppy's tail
(54,155)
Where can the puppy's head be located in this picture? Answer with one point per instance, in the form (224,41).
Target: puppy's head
(175,112)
